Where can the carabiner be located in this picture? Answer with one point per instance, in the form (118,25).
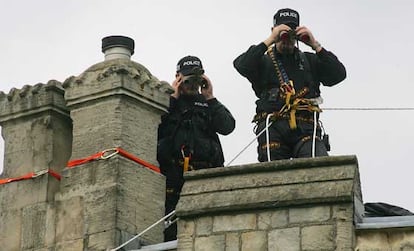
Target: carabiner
(40,173)
(111,152)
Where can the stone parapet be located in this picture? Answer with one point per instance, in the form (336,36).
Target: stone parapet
(31,100)
(300,204)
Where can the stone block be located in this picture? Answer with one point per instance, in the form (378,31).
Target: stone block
(10,230)
(309,214)
(100,209)
(185,229)
(185,234)
(251,179)
(71,245)
(22,193)
(272,219)
(236,222)
(286,239)
(343,212)
(345,235)
(269,185)
(401,240)
(254,241)
(316,238)
(102,241)
(232,242)
(212,242)
(38,226)
(204,226)
(70,221)
(372,241)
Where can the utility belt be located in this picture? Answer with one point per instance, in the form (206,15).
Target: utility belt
(193,164)
(260,117)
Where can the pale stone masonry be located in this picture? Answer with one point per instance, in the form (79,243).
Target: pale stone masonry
(97,205)
(289,205)
(37,134)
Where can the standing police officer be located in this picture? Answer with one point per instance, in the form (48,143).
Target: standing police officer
(286,82)
(187,135)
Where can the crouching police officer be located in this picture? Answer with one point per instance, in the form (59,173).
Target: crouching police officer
(187,135)
(286,82)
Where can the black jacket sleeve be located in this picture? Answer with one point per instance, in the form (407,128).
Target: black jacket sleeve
(250,64)
(221,118)
(329,69)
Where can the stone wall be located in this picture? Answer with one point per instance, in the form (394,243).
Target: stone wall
(385,239)
(302,204)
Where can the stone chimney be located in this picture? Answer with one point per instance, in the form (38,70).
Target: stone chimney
(99,204)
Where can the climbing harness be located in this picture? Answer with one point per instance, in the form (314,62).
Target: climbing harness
(293,102)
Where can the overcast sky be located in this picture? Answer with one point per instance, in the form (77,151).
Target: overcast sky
(54,39)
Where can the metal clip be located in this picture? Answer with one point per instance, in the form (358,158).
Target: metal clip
(40,173)
(110,153)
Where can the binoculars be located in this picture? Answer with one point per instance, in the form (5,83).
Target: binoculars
(291,35)
(196,78)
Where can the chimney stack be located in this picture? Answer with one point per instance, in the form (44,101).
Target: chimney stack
(117,47)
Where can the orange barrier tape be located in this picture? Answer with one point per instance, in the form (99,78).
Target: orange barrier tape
(31,175)
(106,154)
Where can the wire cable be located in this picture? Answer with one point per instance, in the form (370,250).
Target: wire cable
(314,134)
(328,109)
(251,142)
(147,229)
(368,109)
(267,136)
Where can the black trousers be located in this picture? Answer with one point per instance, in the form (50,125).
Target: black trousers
(286,143)
(174,184)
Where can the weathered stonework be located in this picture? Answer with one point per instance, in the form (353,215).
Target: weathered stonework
(301,204)
(36,129)
(37,133)
(385,239)
(114,103)
(96,205)
(109,199)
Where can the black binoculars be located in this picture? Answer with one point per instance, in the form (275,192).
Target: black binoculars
(291,35)
(196,78)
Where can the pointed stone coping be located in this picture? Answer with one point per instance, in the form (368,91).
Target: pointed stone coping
(275,184)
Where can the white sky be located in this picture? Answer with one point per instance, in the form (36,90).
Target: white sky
(54,39)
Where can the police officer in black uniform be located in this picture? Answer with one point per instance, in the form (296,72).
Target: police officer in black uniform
(286,82)
(187,135)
